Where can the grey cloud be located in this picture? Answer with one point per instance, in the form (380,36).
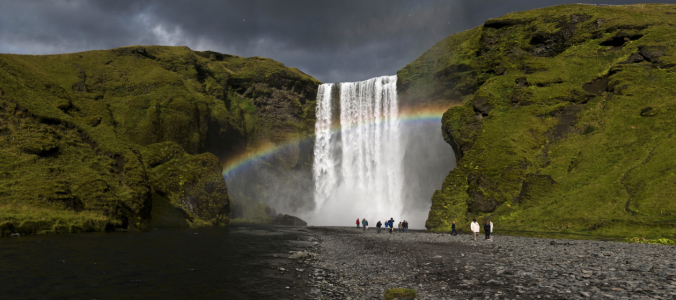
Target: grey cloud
(331,40)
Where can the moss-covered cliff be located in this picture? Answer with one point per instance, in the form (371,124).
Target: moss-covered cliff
(565,120)
(136,135)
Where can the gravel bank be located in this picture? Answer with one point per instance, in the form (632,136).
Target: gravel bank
(347,263)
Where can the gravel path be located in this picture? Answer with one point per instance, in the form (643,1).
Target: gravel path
(347,263)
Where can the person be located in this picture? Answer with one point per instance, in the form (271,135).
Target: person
(405,226)
(391,225)
(378,225)
(487,230)
(491,230)
(387,224)
(357,223)
(400,227)
(475,228)
(365,224)
(453,231)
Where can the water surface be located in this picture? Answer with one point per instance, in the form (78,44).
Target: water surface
(207,263)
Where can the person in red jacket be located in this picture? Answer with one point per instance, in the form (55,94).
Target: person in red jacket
(357,222)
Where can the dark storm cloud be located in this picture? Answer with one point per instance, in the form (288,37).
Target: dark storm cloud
(332,40)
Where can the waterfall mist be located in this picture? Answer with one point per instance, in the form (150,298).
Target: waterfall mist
(370,158)
(367,162)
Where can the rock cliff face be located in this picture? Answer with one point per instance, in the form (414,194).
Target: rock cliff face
(564,120)
(137,135)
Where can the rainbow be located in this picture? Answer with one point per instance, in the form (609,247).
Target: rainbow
(407,117)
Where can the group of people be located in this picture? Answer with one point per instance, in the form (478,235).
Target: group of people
(403,227)
(476,229)
(389,225)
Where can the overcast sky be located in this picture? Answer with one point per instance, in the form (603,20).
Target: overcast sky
(331,40)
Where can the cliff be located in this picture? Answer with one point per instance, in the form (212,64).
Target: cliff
(563,120)
(137,136)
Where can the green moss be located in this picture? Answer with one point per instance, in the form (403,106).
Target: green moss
(555,151)
(91,134)
(400,293)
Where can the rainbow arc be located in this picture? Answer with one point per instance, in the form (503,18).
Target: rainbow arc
(408,117)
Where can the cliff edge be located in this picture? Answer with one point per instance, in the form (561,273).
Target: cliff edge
(564,120)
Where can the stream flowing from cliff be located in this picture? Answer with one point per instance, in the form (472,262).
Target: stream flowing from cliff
(358,156)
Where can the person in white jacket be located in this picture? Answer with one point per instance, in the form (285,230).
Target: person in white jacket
(491,231)
(475,228)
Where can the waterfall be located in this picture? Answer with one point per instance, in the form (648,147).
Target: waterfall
(324,166)
(358,163)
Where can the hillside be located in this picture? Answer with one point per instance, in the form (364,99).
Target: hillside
(136,136)
(564,120)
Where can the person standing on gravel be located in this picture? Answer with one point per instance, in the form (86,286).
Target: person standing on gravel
(378,225)
(453,231)
(400,227)
(405,226)
(491,230)
(365,224)
(357,223)
(475,228)
(487,230)
(391,225)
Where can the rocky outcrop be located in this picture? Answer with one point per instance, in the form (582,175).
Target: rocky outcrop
(283,219)
(547,98)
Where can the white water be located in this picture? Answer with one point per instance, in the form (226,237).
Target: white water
(358,170)
(324,165)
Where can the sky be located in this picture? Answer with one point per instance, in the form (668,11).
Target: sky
(335,41)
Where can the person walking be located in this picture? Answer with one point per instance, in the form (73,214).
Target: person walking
(365,224)
(453,231)
(387,224)
(405,226)
(400,227)
(487,230)
(378,225)
(475,228)
(391,225)
(491,230)
(357,223)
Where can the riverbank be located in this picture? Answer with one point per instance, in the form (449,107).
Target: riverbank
(353,264)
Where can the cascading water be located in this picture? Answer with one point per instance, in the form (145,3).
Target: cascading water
(358,163)
(324,165)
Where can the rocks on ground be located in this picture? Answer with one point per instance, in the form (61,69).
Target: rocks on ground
(346,263)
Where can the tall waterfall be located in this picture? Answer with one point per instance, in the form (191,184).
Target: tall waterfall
(358,156)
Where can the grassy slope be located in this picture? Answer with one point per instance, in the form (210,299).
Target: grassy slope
(539,148)
(97,139)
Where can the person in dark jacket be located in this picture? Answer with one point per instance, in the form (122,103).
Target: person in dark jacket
(453,231)
(405,226)
(487,230)
(391,224)
(378,225)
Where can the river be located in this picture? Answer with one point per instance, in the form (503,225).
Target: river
(208,263)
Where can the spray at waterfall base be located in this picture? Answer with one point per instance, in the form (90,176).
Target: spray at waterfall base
(372,159)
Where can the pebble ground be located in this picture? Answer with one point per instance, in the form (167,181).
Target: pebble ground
(346,263)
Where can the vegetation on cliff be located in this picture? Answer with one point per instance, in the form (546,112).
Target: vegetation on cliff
(565,120)
(96,140)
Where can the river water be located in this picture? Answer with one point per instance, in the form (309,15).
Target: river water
(206,263)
